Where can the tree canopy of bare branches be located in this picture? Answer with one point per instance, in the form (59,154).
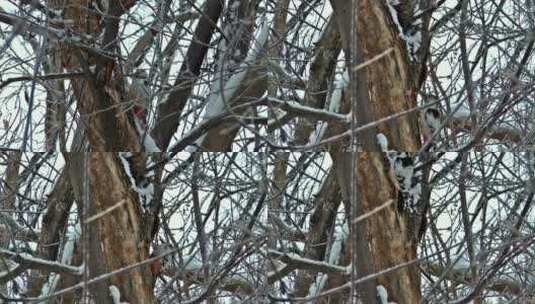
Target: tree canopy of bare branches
(267,151)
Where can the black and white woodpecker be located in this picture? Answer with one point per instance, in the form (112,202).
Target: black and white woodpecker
(140,95)
(431,118)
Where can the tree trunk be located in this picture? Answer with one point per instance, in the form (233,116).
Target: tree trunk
(385,87)
(115,239)
(120,233)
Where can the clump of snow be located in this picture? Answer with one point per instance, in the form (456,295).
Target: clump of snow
(116,295)
(340,236)
(382,295)
(333,105)
(339,85)
(56,12)
(382,141)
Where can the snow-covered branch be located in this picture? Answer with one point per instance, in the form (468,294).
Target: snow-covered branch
(72,236)
(461,120)
(222,94)
(461,276)
(319,114)
(303,263)
(27,261)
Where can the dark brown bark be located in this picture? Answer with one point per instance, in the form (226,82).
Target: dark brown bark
(321,74)
(321,226)
(120,233)
(170,110)
(58,204)
(389,239)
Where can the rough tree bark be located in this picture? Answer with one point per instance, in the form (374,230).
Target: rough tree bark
(385,87)
(119,239)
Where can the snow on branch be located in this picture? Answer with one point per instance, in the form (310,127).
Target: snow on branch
(340,236)
(334,104)
(27,261)
(382,295)
(461,276)
(219,99)
(319,114)
(72,236)
(296,261)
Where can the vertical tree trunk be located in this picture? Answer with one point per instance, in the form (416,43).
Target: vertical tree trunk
(385,87)
(117,239)
(7,199)
(120,233)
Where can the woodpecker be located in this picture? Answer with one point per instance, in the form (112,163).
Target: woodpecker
(431,119)
(404,169)
(431,124)
(140,95)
